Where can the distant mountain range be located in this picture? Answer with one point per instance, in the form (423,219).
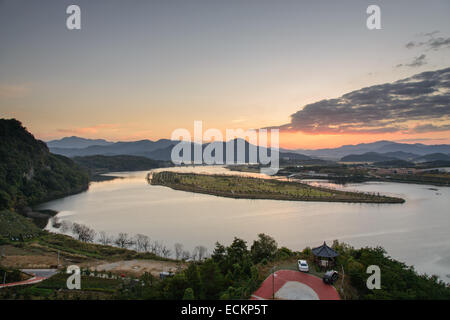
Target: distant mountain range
(161,150)
(399,155)
(146,148)
(156,150)
(417,149)
(77,143)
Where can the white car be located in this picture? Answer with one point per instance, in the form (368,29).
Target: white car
(303,266)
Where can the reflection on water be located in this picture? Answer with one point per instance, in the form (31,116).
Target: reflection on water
(416,232)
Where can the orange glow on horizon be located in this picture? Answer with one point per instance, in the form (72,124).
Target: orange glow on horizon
(300,140)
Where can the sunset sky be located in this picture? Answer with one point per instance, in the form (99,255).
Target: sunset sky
(141,69)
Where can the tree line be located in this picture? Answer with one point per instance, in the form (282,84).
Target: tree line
(138,242)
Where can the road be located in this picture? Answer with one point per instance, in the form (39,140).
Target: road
(38,276)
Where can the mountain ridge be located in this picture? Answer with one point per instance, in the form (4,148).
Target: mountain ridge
(160,149)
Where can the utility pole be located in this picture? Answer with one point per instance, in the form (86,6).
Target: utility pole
(273,283)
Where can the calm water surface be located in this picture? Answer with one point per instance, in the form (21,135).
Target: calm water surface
(416,232)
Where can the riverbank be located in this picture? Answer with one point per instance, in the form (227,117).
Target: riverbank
(255,188)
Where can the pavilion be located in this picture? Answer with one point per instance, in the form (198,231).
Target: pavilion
(324,255)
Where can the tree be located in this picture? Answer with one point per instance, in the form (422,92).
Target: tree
(178,250)
(263,248)
(193,277)
(188,294)
(123,241)
(66,226)
(200,252)
(155,248)
(176,287)
(104,239)
(185,255)
(84,233)
(142,243)
(194,254)
(211,278)
(219,252)
(55,222)
(237,250)
(166,252)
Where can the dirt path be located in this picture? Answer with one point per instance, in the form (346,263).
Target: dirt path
(138,267)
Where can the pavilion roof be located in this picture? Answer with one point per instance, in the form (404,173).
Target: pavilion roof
(324,251)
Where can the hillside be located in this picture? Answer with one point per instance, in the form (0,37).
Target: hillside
(15,225)
(433,157)
(395,164)
(77,143)
(29,173)
(367,157)
(135,148)
(101,163)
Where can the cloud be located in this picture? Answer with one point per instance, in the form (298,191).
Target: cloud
(432,43)
(417,62)
(429,127)
(391,107)
(410,45)
(438,43)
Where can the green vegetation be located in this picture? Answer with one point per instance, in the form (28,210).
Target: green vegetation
(398,281)
(12,275)
(232,272)
(29,173)
(253,188)
(89,283)
(389,171)
(16,226)
(101,164)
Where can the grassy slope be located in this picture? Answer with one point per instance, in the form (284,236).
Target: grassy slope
(13,224)
(252,188)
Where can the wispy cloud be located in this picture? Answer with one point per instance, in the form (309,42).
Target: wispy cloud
(391,107)
(417,62)
(429,127)
(432,43)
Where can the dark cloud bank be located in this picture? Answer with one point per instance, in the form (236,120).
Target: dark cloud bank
(424,97)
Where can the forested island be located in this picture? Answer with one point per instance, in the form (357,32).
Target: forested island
(256,188)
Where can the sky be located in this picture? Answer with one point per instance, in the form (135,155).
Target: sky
(141,69)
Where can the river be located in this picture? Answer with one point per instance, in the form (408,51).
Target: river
(416,232)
